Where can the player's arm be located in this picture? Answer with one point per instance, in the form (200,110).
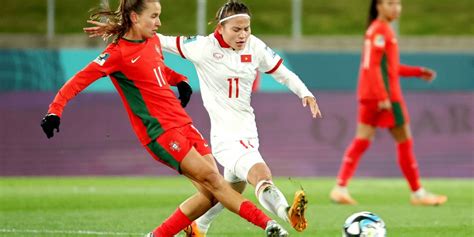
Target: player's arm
(288,78)
(100,67)
(416,71)
(190,48)
(378,45)
(181,82)
(271,63)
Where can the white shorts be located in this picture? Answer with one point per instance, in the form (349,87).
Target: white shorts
(237,157)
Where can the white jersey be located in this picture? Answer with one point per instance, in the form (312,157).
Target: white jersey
(226,77)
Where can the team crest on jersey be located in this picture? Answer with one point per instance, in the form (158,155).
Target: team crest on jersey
(174,146)
(218,55)
(101,59)
(379,41)
(189,39)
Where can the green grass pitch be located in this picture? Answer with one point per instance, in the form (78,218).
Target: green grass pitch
(132,206)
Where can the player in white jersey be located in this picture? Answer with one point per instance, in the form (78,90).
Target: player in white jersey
(226,62)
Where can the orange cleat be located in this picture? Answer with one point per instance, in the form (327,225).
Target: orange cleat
(429,199)
(193,231)
(297,210)
(340,197)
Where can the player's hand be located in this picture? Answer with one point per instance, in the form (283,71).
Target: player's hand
(49,123)
(313,106)
(385,104)
(185,92)
(99,30)
(428,74)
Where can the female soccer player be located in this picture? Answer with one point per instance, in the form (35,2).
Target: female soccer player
(226,63)
(134,62)
(381,104)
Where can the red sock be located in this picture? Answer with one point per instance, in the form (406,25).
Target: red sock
(173,225)
(407,162)
(351,159)
(254,215)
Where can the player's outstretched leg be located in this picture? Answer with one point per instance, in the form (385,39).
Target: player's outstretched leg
(341,195)
(274,229)
(201,225)
(297,210)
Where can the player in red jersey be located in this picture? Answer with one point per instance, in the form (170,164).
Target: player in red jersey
(134,62)
(381,104)
(240,56)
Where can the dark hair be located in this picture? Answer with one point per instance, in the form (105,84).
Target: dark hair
(232,7)
(373,13)
(118,21)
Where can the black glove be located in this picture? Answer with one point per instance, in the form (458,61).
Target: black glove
(49,123)
(185,92)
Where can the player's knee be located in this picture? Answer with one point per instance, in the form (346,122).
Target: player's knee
(262,185)
(212,180)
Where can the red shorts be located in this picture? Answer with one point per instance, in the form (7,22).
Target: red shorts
(173,145)
(371,115)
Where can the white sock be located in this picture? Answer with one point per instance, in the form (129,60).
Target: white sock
(204,221)
(342,189)
(273,200)
(421,192)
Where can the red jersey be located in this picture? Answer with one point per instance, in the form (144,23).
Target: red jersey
(140,76)
(380,67)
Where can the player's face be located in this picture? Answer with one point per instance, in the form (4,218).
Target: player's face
(148,21)
(236,32)
(390,9)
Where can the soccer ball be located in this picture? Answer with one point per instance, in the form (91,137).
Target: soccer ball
(363,224)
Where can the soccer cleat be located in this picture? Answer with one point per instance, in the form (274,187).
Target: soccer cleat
(150,235)
(274,229)
(193,231)
(296,211)
(340,197)
(428,199)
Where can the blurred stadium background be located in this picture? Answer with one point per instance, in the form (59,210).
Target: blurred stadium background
(319,40)
(42,45)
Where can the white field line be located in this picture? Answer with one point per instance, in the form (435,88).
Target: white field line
(71,232)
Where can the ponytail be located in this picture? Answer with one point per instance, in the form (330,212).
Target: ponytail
(118,21)
(373,13)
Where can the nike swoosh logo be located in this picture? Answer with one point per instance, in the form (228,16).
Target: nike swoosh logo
(135,59)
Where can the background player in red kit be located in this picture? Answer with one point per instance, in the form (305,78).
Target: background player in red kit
(134,62)
(381,104)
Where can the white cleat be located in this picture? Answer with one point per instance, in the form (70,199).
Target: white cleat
(274,229)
